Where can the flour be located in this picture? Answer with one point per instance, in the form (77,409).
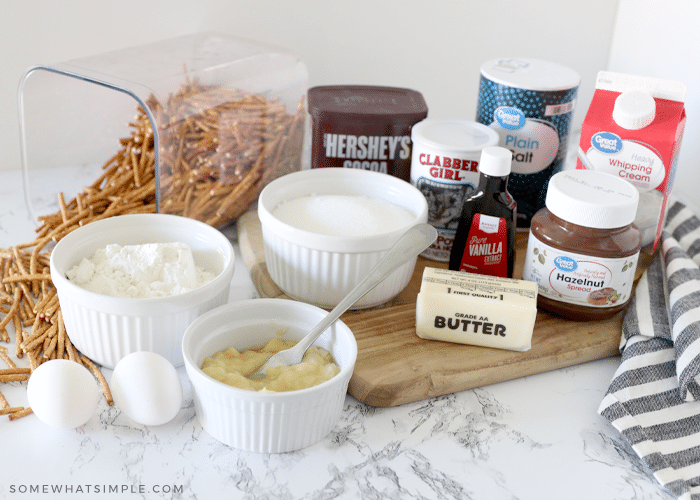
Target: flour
(140,271)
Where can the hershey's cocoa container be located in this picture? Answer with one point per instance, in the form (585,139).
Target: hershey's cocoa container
(445,168)
(530,104)
(363,126)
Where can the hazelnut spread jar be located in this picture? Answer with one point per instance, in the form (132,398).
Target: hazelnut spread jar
(583,248)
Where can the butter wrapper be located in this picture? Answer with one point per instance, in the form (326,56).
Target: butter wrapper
(487,311)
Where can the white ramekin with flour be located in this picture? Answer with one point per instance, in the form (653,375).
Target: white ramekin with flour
(106,328)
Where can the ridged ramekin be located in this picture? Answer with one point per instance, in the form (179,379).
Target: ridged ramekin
(106,328)
(266,422)
(321,269)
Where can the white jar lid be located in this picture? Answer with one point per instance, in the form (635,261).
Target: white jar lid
(634,109)
(495,161)
(530,74)
(453,136)
(592,199)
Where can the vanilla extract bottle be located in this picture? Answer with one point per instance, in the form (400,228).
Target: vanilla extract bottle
(485,238)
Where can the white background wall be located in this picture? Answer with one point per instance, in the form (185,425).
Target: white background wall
(660,38)
(434,46)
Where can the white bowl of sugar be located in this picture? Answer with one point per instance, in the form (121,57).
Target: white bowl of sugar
(107,314)
(324,229)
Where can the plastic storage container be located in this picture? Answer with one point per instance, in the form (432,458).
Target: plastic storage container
(193,126)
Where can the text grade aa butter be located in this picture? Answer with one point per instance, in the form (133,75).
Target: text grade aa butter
(488,311)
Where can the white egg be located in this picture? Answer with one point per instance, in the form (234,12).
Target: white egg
(146,387)
(63,393)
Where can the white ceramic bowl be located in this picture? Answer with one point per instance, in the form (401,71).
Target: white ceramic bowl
(266,422)
(321,269)
(106,328)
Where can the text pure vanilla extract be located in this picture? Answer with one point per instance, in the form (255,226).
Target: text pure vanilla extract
(485,238)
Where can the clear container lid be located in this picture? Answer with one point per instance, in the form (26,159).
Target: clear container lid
(203,121)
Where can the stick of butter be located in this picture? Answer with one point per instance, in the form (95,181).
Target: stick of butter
(466,308)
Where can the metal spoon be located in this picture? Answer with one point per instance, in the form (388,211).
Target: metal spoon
(413,242)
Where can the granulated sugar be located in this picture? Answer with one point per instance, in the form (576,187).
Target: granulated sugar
(140,271)
(342,215)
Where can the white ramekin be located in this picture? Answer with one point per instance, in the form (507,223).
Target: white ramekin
(321,269)
(106,328)
(266,422)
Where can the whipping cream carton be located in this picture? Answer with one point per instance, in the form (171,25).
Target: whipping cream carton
(633,129)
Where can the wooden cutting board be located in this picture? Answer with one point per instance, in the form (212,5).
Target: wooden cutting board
(395,366)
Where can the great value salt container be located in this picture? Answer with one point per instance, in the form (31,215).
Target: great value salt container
(530,104)
(364,127)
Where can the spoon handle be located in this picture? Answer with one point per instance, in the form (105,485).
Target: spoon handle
(413,242)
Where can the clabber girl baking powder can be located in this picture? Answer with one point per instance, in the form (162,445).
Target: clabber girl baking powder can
(530,103)
(445,168)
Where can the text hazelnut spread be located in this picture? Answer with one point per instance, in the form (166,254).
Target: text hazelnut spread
(583,248)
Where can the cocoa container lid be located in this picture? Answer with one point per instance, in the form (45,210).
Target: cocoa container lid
(366,103)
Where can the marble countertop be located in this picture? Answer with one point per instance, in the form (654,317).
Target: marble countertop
(537,437)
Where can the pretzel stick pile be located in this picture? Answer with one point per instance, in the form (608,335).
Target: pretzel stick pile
(219,148)
(28,299)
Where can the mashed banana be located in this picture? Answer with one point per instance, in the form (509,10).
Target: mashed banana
(233,368)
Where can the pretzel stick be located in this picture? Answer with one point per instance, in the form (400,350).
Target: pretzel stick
(60,348)
(21,413)
(101,379)
(27,294)
(50,309)
(26,277)
(46,301)
(50,349)
(39,331)
(10,409)
(15,371)
(33,363)
(72,353)
(13,309)
(4,356)
(19,334)
(18,260)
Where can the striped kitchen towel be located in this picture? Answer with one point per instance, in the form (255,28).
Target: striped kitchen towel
(654,397)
